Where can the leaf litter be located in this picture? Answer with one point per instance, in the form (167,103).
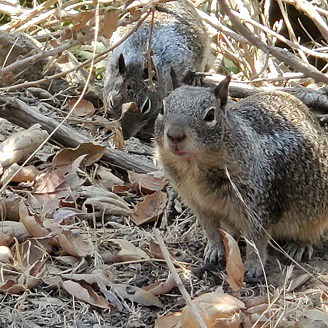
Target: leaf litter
(70,233)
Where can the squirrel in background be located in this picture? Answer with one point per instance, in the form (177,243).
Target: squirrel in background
(178,40)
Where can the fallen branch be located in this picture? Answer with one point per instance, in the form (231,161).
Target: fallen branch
(316,99)
(18,112)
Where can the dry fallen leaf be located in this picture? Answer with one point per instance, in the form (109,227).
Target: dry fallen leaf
(85,292)
(150,208)
(98,277)
(32,223)
(81,20)
(130,108)
(26,270)
(47,203)
(117,134)
(5,255)
(6,239)
(19,146)
(17,282)
(49,182)
(121,189)
(92,152)
(172,320)
(84,108)
(32,251)
(135,294)
(156,252)
(254,301)
(299,281)
(10,207)
(107,205)
(26,173)
(161,287)
(65,213)
(128,251)
(74,243)
(58,181)
(146,183)
(10,230)
(111,18)
(258,309)
(234,266)
(107,179)
(317,315)
(217,309)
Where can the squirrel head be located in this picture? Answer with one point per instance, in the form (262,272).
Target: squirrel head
(129,83)
(193,119)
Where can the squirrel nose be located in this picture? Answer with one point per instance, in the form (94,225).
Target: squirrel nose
(176,134)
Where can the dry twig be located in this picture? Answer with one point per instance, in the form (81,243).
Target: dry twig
(178,280)
(281,54)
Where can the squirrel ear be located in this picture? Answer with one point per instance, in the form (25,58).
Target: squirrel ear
(121,64)
(221,91)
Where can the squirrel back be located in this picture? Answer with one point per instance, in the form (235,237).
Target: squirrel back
(179,41)
(260,165)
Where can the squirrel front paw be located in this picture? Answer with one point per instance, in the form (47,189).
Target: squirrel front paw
(253,271)
(215,253)
(299,252)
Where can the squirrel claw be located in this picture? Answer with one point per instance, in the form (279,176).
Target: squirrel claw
(214,254)
(299,252)
(254,273)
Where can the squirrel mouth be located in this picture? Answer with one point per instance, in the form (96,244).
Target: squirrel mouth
(179,151)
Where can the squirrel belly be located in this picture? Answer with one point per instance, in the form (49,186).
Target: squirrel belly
(260,165)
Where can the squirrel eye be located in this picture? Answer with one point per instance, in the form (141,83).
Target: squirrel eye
(210,115)
(146,106)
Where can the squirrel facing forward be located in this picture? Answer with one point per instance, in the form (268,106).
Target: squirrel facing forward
(178,41)
(260,166)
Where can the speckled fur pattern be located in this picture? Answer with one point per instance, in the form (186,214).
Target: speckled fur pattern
(276,156)
(179,41)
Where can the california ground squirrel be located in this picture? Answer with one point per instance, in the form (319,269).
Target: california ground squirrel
(260,166)
(179,41)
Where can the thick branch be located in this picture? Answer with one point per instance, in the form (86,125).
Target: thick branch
(18,112)
(316,99)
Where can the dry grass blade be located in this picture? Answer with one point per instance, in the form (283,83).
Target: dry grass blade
(195,312)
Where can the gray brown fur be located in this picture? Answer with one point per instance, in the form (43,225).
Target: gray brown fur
(260,166)
(179,41)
